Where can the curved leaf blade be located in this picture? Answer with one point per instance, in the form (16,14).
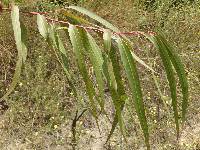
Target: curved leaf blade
(74,19)
(95,55)
(78,48)
(134,83)
(176,61)
(96,58)
(95,17)
(115,85)
(170,75)
(19,34)
(62,57)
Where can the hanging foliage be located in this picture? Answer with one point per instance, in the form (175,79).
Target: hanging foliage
(108,63)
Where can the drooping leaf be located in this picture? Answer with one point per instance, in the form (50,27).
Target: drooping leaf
(157,83)
(92,50)
(141,61)
(19,34)
(112,72)
(176,61)
(119,96)
(97,63)
(16,27)
(134,83)
(113,55)
(78,48)
(62,56)
(170,75)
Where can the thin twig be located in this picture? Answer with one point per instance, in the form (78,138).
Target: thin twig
(73,128)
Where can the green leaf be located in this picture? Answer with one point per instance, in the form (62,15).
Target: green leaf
(74,19)
(176,61)
(119,95)
(112,72)
(141,61)
(170,75)
(113,55)
(62,56)
(97,63)
(95,55)
(19,34)
(43,26)
(134,83)
(78,47)
(95,17)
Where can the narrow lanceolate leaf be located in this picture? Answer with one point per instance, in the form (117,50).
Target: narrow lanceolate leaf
(61,56)
(118,85)
(164,54)
(95,17)
(74,19)
(43,26)
(112,72)
(176,61)
(97,63)
(113,55)
(134,83)
(19,34)
(118,102)
(78,48)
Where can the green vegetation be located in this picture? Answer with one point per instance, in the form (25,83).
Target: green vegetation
(81,83)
